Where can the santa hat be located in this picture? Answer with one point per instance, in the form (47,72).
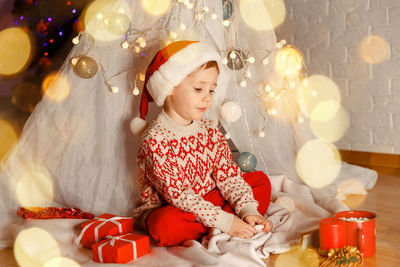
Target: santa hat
(169,68)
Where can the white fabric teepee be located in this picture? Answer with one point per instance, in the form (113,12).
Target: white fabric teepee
(80,151)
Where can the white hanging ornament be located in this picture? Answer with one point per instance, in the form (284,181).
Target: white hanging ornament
(231,111)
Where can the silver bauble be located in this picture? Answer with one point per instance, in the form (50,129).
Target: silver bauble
(235,63)
(86,67)
(247,162)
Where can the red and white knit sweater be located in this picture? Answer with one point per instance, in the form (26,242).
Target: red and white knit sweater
(180,164)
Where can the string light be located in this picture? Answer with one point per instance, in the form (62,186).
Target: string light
(136,90)
(226,23)
(75,40)
(214,16)
(251,60)
(243,83)
(125,44)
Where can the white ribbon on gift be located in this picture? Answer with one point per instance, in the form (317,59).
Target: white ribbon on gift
(112,242)
(96,229)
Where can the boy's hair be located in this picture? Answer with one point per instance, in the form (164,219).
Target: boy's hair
(210,64)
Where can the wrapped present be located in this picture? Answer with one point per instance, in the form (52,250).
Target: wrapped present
(121,249)
(52,213)
(96,229)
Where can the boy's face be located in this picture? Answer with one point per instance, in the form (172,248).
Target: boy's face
(193,96)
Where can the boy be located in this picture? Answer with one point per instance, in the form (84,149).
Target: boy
(187,179)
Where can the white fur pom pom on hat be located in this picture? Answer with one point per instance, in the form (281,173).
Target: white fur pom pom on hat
(138,126)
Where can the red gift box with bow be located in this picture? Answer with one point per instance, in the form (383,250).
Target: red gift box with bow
(121,249)
(96,229)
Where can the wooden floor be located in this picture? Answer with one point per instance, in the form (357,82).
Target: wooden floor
(383,199)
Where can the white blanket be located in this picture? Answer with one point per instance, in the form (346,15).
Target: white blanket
(216,249)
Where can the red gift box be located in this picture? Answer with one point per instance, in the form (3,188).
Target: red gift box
(96,229)
(121,249)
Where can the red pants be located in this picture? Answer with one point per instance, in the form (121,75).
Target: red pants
(170,226)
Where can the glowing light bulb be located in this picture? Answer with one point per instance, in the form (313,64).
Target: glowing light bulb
(135,91)
(267,88)
(114,89)
(100,16)
(251,60)
(125,44)
(139,40)
(243,83)
(206,9)
(182,26)
(271,94)
(75,40)
(265,61)
(142,77)
(247,74)
(226,23)
(143,44)
(214,16)
(74,60)
(300,119)
(232,55)
(261,134)
(228,136)
(224,61)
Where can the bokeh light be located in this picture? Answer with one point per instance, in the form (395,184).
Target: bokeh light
(296,257)
(276,10)
(34,246)
(156,7)
(16,50)
(255,15)
(374,49)
(106,20)
(288,61)
(315,90)
(351,192)
(34,186)
(8,137)
(326,126)
(318,163)
(55,87)
(25,96)
(61,262)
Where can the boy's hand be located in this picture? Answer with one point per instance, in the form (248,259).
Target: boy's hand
(257,219)
(241,229)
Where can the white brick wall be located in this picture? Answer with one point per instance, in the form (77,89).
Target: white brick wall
(329,33)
